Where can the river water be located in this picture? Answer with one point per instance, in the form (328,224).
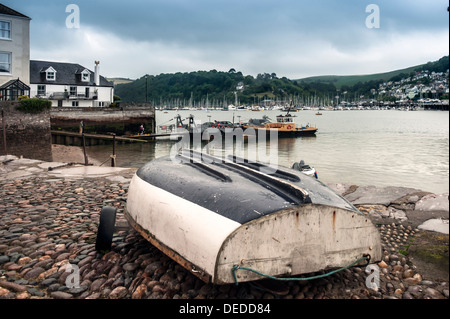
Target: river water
(370,147)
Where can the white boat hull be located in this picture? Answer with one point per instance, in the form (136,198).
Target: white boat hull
(293,240)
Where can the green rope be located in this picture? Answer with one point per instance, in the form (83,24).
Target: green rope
(236,267)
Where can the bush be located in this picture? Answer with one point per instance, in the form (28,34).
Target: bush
(34,105)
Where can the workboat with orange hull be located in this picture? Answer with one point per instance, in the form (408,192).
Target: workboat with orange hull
(284,126)
(230,220)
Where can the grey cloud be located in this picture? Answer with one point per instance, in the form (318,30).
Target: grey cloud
(281,36)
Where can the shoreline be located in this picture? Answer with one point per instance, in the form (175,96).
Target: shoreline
(74,154)
(49,218)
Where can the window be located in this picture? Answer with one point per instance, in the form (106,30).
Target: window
(85,77)
(5,30)
(41,90)
(51,76)
(5,62)
(75,103)
(73,91)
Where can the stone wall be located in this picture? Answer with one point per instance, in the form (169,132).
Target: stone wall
(27,135)
(127,117)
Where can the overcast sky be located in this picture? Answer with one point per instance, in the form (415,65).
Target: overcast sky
(292,38)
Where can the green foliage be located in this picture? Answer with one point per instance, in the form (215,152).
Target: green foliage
(441,65)
(216,85)
(221,86)
(34,105)
(181,86)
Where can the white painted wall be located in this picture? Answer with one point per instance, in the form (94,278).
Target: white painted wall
(19,47)
(104,94)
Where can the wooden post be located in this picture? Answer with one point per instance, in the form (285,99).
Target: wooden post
(113,157)
(86,161)
(4,134)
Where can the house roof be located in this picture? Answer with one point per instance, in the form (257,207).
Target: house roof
(8,11)
(66,74)
(80,71)
(16,84)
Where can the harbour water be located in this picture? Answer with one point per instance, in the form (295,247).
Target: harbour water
(370,147)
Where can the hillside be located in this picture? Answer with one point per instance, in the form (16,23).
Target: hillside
(219,88)
(216,88)
(349,80)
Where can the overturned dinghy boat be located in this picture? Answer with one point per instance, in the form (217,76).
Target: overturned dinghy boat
(213,215)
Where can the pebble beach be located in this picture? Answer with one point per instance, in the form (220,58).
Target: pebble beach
(49,214)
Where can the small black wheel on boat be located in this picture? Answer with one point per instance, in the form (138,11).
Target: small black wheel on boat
(106,229)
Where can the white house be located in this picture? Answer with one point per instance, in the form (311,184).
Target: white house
(70,84)
(14,53)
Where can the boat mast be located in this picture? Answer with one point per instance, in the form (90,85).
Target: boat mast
(289,109)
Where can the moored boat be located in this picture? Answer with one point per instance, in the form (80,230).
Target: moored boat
(220,217)
(140,136)
(305,168)
(284,126)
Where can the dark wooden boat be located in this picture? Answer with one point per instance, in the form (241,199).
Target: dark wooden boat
(212,215)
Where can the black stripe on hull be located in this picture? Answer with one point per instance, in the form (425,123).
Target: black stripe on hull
(238,191)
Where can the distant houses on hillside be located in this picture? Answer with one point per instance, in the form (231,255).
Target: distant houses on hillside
(422,85)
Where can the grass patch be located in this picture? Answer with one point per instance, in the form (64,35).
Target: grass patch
(431,248)
(403,252)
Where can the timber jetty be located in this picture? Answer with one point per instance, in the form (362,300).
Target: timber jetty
(76,139)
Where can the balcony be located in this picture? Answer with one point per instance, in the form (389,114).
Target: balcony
(65,96)
(90,96)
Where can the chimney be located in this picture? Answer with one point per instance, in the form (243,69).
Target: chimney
(97,73)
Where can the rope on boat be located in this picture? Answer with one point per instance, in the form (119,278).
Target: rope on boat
(236,267)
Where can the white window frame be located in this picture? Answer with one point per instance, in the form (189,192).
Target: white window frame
(85,76)
(75,103)
(41,90)
(9,63)
(50,76)
(8,30)
(73,92)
